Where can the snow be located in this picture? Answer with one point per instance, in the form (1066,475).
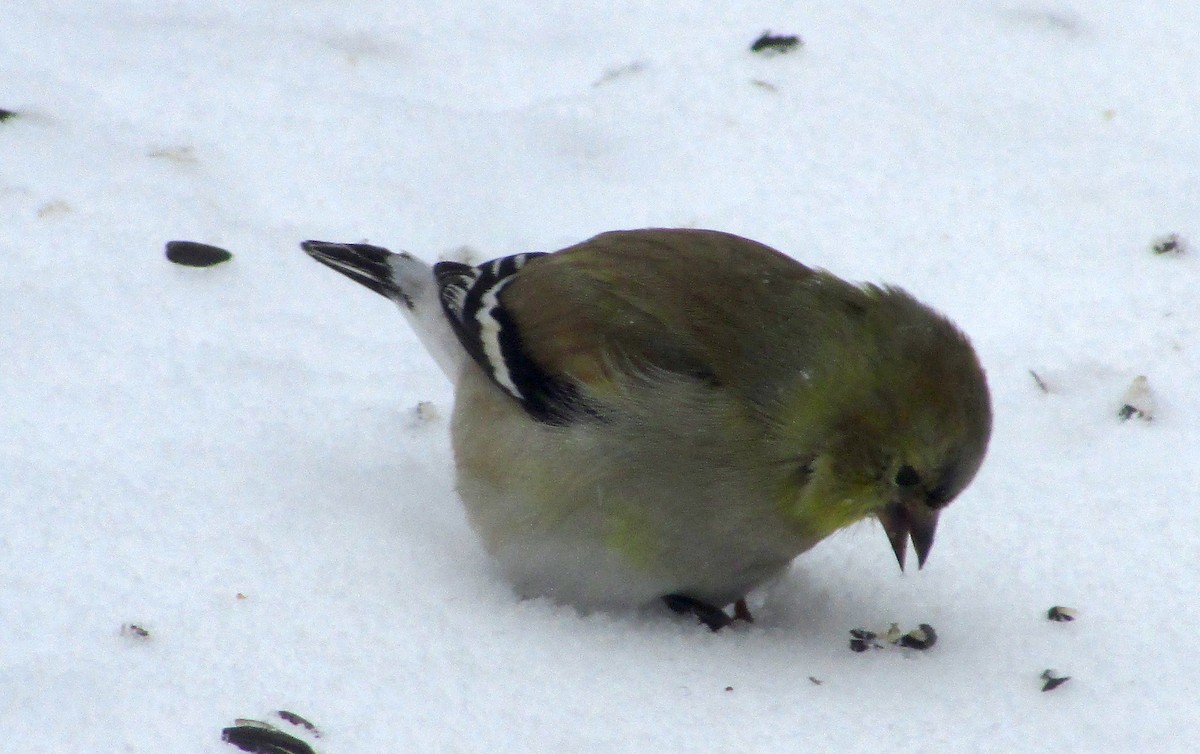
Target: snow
(232,457)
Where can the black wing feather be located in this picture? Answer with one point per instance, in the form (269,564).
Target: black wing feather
(470,297)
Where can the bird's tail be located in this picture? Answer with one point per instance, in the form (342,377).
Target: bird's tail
(360,262)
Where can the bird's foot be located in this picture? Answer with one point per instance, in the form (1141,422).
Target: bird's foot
(713,617)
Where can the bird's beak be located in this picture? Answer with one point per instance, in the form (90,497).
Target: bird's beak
(905,519)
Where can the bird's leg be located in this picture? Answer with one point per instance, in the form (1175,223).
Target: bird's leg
(741,611)
(713,617)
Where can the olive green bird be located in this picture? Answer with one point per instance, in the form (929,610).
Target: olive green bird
(677,414)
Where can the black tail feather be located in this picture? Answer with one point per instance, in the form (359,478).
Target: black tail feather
(360,262)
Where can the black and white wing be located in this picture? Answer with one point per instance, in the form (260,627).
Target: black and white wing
(471,299)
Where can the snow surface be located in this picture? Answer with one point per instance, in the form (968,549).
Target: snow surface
(231,458)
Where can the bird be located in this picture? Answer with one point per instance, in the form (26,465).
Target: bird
(674,415)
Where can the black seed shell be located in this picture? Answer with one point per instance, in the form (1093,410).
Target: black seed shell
(193,254)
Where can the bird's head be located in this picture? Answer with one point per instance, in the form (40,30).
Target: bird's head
(904,427)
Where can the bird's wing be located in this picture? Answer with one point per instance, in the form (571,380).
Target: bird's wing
(554,330)
(471,300)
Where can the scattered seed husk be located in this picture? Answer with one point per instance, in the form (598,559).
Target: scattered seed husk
(295,719)
(195,254)
(1062,614)
(1053,680)
(861,639)
(775,44)
(1169,244)
(1138,401)
(264,740)
(426,411)
(135,631)
(922,637)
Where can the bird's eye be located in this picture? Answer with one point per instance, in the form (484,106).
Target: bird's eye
(907,476)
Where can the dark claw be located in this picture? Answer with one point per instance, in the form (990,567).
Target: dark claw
(741,611)
(713,617)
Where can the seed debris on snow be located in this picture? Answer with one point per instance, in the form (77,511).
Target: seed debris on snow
(426,411)
(135,631)
(261,737)
(195,254)
(1062,614)
(775,44)
(295,719)
(1138,401)
(922,637)
(1171,243)
(1052,680)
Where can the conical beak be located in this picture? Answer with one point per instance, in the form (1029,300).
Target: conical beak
(913,519)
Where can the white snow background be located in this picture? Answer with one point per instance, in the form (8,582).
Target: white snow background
(230,457)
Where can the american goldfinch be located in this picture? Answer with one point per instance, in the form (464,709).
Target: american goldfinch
(677,414)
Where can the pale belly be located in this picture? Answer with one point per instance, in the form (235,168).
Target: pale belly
(569,514)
